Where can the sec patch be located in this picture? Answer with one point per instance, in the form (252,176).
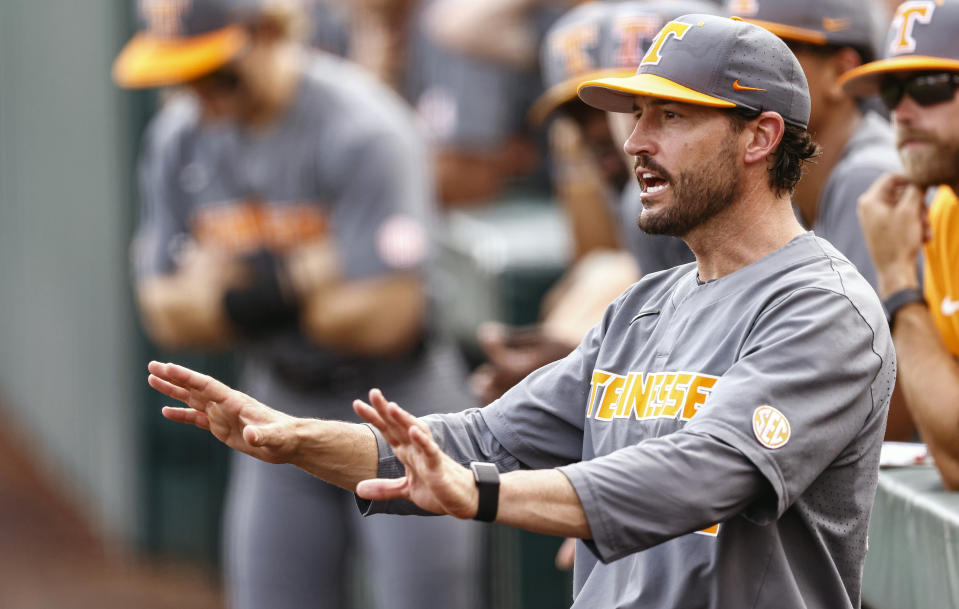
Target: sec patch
(770,427)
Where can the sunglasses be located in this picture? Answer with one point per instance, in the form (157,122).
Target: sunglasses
(925,89)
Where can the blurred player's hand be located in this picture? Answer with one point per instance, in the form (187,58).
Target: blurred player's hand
(512,353)
(312,266)
(210,265)
(894,221)
(233,417)
(184,309)
(566,554)
(433,480)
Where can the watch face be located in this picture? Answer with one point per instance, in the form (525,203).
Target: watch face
(485,473)
(487,482)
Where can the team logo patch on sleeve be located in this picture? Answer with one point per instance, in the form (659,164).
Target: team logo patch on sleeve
(770,427)
(401,242)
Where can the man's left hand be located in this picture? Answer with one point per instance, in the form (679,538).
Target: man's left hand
(433,480)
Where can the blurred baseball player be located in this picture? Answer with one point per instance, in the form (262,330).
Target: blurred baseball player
(714,440)
(831,37)
(917,80)
(286,202)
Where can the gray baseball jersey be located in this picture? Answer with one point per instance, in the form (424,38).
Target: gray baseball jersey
(869,153)
(723,437)
(652,252)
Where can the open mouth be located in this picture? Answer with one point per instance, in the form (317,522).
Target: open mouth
(650,183)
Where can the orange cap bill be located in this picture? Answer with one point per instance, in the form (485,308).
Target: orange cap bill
(616,94)
(148,60)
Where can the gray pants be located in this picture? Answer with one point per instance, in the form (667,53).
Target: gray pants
(292,540)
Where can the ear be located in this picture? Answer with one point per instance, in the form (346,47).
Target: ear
(763,135)
(839,63)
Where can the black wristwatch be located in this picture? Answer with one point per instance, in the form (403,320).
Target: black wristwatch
(899,300)
(487,482)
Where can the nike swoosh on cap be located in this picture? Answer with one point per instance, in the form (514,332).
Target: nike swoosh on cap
(834,25)
(740,87)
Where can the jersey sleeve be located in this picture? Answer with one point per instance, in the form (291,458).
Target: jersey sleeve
(382,207)
(163,224)
(642,495)
(810,389)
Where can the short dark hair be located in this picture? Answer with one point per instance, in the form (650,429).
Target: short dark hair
(796,148)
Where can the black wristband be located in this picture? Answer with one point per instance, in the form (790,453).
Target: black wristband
(487,482)
(264,304)
(899,300)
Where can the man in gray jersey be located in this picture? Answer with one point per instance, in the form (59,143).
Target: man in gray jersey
(286,205)
(714,440)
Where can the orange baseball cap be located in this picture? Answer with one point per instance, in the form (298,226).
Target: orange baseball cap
(182,40)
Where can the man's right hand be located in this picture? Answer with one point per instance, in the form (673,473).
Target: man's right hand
(235,418)
(892,214)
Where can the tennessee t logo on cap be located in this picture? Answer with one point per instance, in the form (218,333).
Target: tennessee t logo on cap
(906,17)
(675,29)
(630,32)
(575,46)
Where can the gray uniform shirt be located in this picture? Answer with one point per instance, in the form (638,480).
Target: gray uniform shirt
(345,163)
(869,153)
(756,402)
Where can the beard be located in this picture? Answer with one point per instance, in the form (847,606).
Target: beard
(698,195)
(935,163)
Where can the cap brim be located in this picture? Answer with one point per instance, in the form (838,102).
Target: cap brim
(152,61)
(565,91)
(616,94)
(789,32)
(864,80)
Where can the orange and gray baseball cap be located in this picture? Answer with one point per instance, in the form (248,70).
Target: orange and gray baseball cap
(712,61)
(598,40)
(181,40)
(922,37)
(841,23)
